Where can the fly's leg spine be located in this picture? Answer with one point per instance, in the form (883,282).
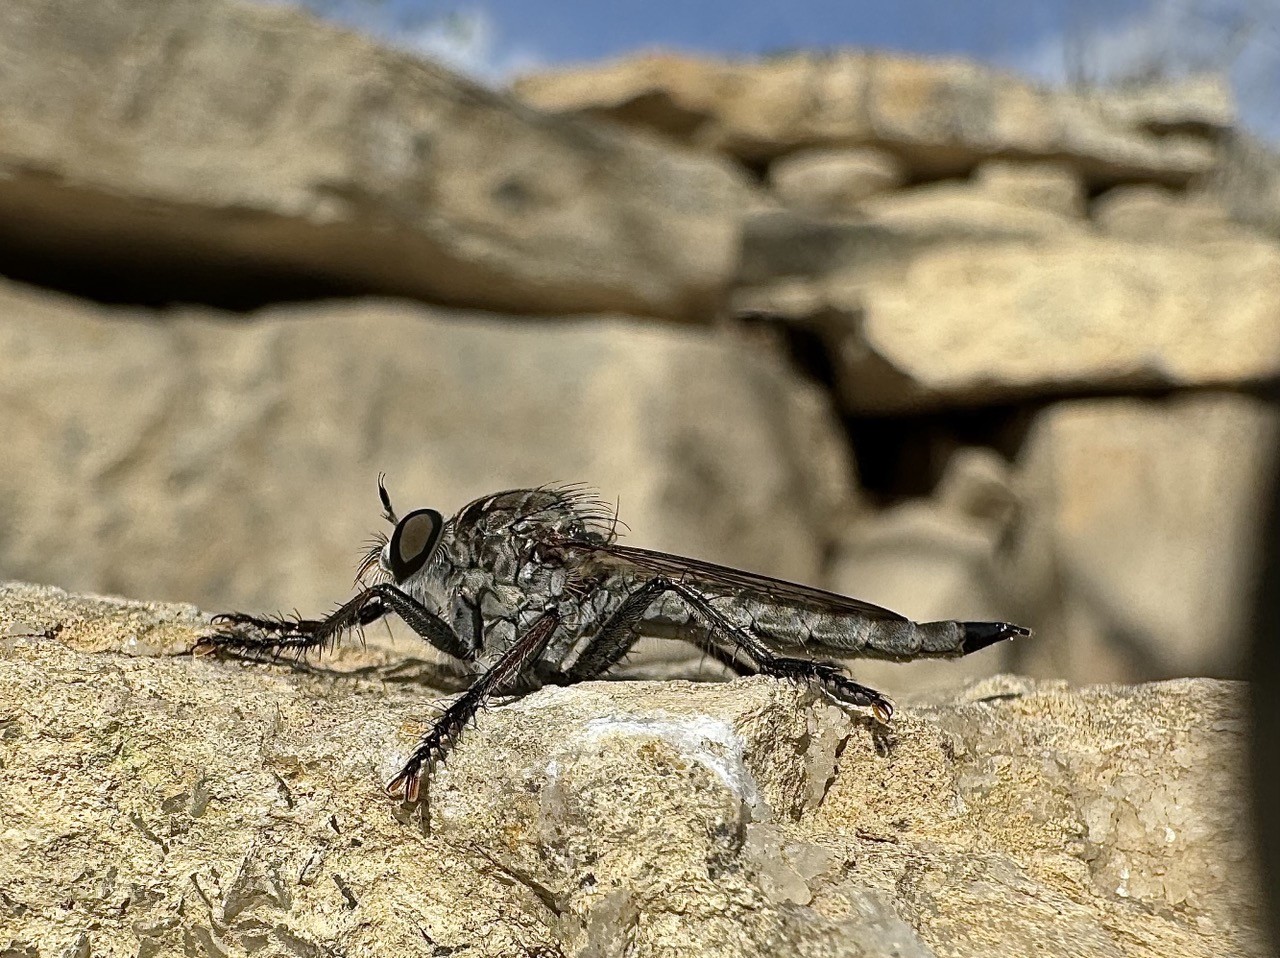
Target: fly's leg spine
(827,676)
(409,781)
(273,637)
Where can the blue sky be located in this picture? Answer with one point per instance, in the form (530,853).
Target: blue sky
(1050,39)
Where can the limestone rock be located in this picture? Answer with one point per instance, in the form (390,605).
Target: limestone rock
(206,142)
(1155,213)
(834,180)
(1050,186)
(1201,104)
(942,117)
(880,242)
(236,459)
(996,322)
(178,805)
(960,213)
(1247,182)
(1144,538)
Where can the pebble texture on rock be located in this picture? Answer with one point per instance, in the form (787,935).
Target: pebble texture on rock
(180,805)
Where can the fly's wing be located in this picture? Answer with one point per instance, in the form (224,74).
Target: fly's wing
(718,580)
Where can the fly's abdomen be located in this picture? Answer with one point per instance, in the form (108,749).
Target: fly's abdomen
(844,633)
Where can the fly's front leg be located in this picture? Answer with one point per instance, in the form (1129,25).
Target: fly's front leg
(435,744)
(247,634)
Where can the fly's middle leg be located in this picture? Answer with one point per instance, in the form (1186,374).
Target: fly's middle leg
(617,636)
(503,673)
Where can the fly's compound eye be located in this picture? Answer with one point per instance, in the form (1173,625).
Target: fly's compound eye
(413,541)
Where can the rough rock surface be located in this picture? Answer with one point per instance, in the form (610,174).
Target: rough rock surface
(196,144)
(1144,542)
(170,805)
(231,460)
(942,117)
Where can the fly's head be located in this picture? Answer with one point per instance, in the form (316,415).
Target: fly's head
(405,557)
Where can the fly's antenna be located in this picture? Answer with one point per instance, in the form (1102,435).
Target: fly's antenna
(388,513)
(613,527)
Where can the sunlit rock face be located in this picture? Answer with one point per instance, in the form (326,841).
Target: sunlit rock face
(177,802)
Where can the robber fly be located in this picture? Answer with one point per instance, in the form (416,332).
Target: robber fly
(531,587)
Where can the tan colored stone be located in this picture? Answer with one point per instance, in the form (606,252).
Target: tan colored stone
(834,180)
(1144,538)
(173,805)
(941,117)
(992,322)
(1247,182)
(1051,186)
(1156,213)
(189,141)
(232,460)
(880,243)
(959,213)
(1201,104)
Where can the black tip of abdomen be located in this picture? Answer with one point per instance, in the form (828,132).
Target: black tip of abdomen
(978,635)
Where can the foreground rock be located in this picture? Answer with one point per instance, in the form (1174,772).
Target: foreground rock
(153,805)
(940,117)
(195,149)
(236,462)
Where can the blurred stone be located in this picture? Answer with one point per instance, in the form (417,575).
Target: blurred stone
(941,117)
(1247,182)
(1155,213)
(1202,104)
(784,245)
(180,805)
(885,238)
(1000,322)
(232,459)
(195,148)
(1051,186)
(834,180)
(958,212)
(1144,536)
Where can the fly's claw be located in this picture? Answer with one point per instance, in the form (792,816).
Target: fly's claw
(831,679)
(430,753)
(407,784)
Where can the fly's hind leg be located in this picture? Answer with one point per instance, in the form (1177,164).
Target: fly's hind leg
(620,632)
